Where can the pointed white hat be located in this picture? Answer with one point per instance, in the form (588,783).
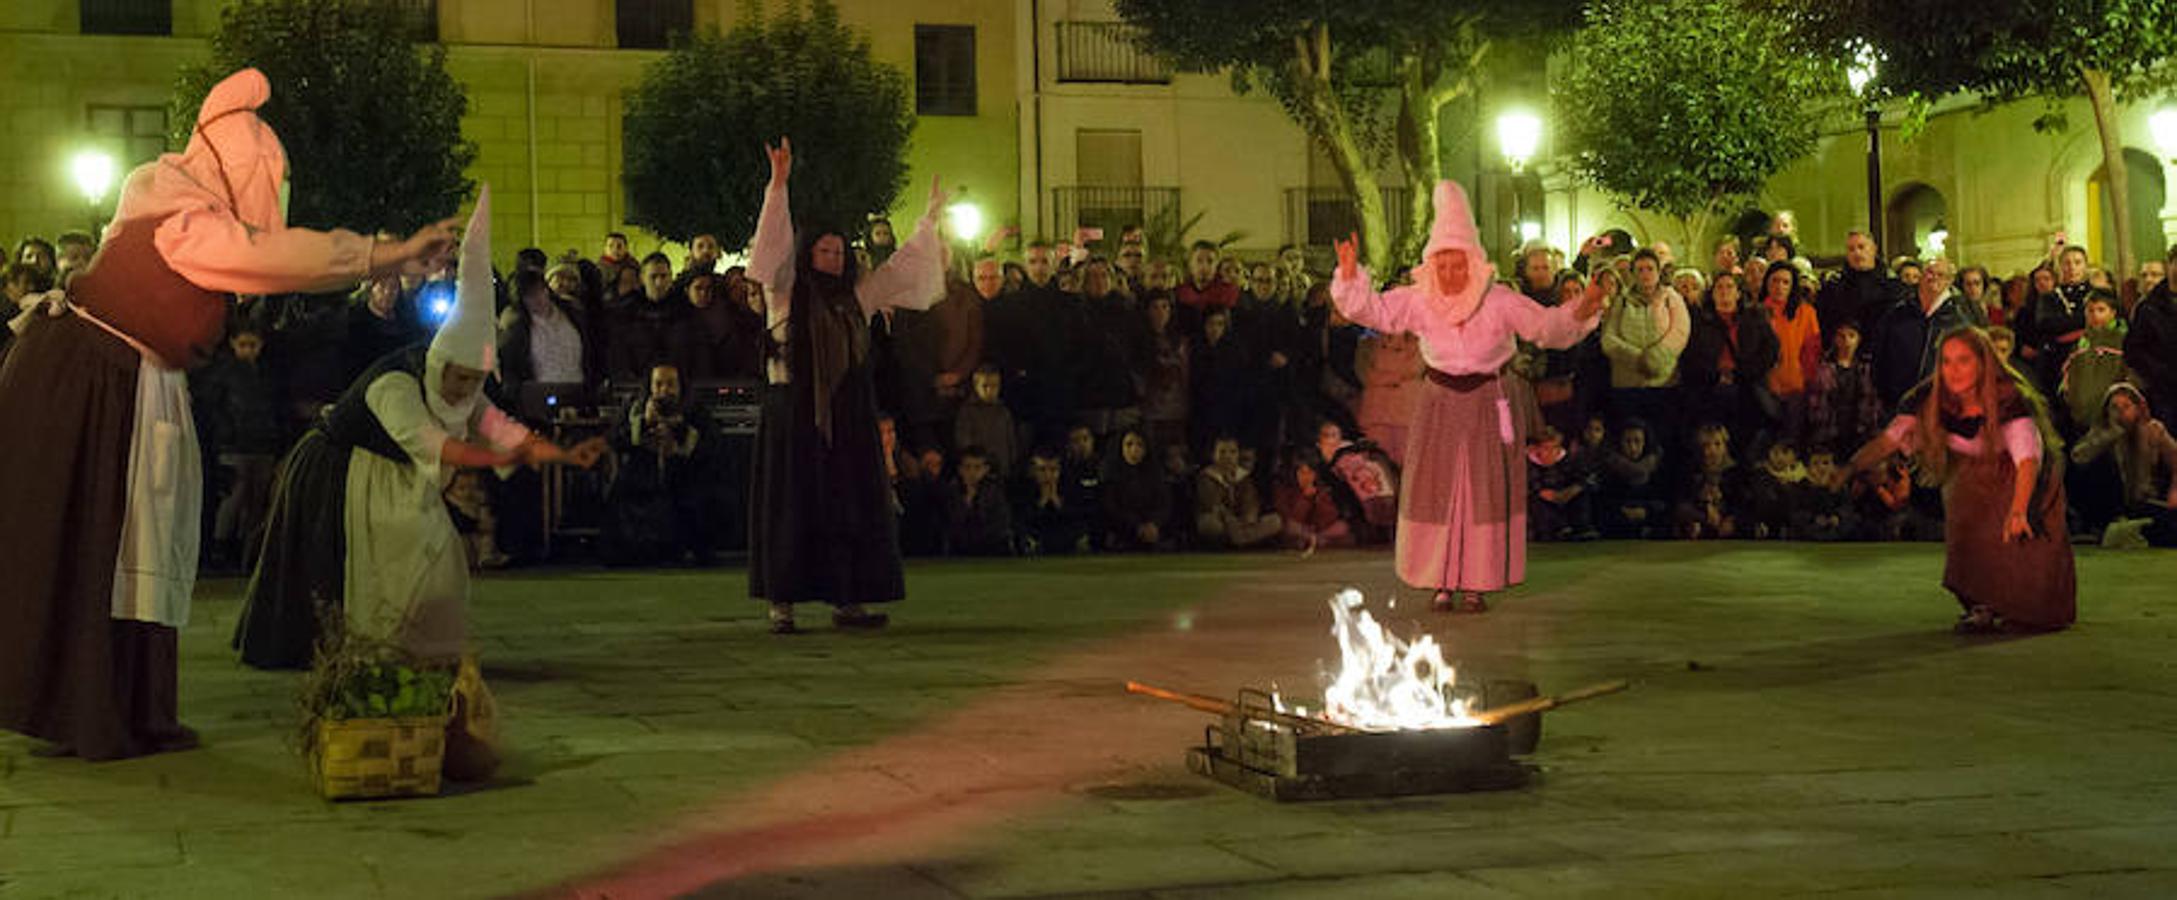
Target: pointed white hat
(470,335)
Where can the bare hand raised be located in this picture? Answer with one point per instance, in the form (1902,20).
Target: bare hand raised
(422,253)
(782,159)
(937,199)
(1349,255)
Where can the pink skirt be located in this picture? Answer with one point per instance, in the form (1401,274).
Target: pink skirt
(1462,520)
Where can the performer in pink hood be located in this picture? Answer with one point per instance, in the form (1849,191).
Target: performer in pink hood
(99,462)
(1462,523)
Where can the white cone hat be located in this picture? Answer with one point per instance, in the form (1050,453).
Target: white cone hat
(470,335)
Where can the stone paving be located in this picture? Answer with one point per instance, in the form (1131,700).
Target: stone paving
(1802,722)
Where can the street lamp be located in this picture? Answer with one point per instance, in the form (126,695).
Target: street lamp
(1865,67)
(93,171)
(1519,135)
(2164,125)
(966,220)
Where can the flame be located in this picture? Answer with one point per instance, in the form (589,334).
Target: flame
(1385,683)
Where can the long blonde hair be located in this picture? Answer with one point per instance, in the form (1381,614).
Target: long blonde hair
(1998,383)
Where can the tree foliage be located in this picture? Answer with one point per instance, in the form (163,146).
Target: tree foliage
(2104,51)
(370,121)
(697,123)
(1364,78)
(1683,107)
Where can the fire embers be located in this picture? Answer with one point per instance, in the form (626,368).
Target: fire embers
(1384,682)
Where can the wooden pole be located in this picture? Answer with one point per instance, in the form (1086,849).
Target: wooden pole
(1502,714)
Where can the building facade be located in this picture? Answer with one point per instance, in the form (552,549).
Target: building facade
(1043,113)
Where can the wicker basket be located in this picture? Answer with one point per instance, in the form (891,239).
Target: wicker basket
(363,758)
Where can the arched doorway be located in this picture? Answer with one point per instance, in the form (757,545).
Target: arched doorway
(1913,220)
(2144,185)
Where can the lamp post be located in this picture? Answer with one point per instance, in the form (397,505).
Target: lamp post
(1862,74)
(93,171)
(1519,135)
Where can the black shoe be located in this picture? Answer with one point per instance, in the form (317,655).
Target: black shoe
(863,621)
(784,626)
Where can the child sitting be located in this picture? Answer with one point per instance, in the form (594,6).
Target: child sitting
(1633,496)
(1137,505)
(1051,519)
(1710,507)
(1228,509)
(1310,511)
(977,520)
(1822,510)
(1771,489)
(1367,472)
(1562,482)
(2146,469)
(984,422)
(1179,485)
(2006,344)
(1081,469)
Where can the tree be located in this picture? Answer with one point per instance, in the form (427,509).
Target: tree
(697,123)
(370,121)
(2100,50)
(1364,78)
(1683,107)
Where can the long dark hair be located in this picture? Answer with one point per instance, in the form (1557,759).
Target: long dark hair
(1798,295)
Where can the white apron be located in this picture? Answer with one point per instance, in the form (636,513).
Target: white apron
(407,572)
(156,570)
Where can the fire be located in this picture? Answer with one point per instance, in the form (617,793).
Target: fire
(1385,683)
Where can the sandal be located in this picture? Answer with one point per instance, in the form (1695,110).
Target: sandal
(1445,602)
(1978,620)
(1474,603)
(784,626)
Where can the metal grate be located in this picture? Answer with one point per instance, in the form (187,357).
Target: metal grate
(127,16)
(1316,216)
(1111,208)
(1107,52)
(652,24)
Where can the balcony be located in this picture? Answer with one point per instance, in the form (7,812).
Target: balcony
(1110,208)
(1315,216)
(1107,53)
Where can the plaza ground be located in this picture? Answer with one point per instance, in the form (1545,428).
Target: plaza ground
(1801,722)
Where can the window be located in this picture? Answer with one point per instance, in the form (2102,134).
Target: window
(127,16)
(136,133)
(652,24)
(945,70)
(421,18)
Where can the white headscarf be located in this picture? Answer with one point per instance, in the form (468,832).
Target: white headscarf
(470,335)
(1454,230)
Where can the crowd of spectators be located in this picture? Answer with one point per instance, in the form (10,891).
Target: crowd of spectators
(1095,395)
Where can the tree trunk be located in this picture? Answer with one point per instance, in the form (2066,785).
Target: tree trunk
(1420,148)
(2114,176)
(1326,122)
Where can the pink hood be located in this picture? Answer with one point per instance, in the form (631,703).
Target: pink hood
(232,155)
(1454,230)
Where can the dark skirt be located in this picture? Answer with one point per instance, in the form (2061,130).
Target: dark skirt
(69,672)
(2030,583)
(1462,521)
(820,519)
(299,577)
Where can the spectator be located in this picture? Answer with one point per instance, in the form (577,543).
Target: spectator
(984,422)
(649,328)
(1726,259)
(703,254)
(1368,476)
(17,281)
(1225,379)
(1691,285)
(380,321)
(542,339)
(1822,511)
(1164,373)
(1308,507)
(1712,505)
(1799,331)
(38,253)
(1563,481)
(880,241)
(1907,270)
(1860,293)
(1633,499)
(240,397)
(1538,274)
(1082,468)
(1978,293)
(1390,370)
(725,337)
(921,498)
(1708,513)
(1843,407)
(615,255)
(74,252)
(1179,478)
(1133,268)
(1136,503)
(1903,349)
(1203,291)
(1643,339)
(1051,519)
(664,499)
(1726,366)
(531,259)
(2006,343)
(2151,274)
(2095,366)
(1024,340)
(1228,509)
(978,522)
(2150,349)
(1772,490)
(1111,337)
(2146,463)
(2050,327)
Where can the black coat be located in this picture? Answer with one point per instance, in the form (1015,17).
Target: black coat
(2150,349)
(1752,342)
(1856,297)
